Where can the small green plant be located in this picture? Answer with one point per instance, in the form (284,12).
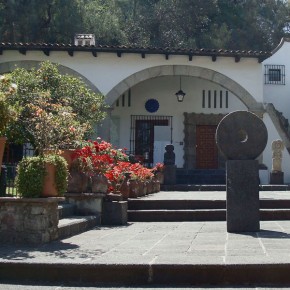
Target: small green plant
(31,173)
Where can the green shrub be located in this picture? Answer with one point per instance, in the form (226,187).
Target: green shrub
(31,173)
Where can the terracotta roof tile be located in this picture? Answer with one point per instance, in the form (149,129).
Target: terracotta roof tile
(261,55)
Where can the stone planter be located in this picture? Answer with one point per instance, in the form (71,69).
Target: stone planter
(99,183)
(28,220)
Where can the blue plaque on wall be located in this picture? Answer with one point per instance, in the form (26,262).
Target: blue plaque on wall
(152,105)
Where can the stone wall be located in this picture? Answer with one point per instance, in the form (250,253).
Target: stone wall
(28,220)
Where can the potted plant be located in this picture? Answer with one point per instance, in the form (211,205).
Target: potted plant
(52,126)
(42,176)
(157,170)
(98,158)
(7,112)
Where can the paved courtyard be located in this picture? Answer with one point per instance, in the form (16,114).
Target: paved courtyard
(164,243)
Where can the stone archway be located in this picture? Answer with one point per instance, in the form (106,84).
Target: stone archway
(7,67)
(199,72)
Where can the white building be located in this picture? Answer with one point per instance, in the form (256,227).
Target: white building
(140,86)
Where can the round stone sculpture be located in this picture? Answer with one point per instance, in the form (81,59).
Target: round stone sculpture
(241,135)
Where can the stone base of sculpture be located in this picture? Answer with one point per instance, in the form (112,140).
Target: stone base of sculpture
(243,196)
(169,174)
(276,177)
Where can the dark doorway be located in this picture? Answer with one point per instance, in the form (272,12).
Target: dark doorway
(206,149)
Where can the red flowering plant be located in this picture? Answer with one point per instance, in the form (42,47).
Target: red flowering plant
(157,168)
(117,174)
(99,156)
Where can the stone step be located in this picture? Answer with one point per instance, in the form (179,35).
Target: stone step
(218,187)
(193,187)
(166,275)
(198,215)
(65,210)
(74,225)
(196,176)
(143,204)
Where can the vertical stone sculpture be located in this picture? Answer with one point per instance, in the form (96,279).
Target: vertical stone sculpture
(276,175)
(169,165)
(242,136)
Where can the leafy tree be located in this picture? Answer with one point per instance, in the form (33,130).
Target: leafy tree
(63,90)
(231,24)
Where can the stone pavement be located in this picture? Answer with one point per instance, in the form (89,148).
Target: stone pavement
(190,253)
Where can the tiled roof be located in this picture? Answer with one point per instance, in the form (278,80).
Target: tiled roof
(94,49)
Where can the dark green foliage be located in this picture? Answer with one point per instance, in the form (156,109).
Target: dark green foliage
(232,24)
(64,90)
(31,173)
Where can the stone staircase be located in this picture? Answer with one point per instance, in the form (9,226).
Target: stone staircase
(142,210)
(71,224)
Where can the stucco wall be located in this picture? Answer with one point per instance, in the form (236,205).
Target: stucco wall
(163,89)
(279,94)
(267,155)
(107,69)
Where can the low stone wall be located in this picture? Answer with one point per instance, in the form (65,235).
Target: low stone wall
(87,203)
(28,220)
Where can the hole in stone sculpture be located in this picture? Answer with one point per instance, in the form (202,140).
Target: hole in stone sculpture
(242,136)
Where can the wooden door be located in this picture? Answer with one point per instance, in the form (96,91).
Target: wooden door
(206,149)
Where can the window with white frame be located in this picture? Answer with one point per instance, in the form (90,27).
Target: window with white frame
(274,74)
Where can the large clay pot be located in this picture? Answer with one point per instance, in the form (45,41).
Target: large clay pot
(49,185)
(77,182)
(99,183)
(160,176)
(142,188)
(134,188)
(149,186)
(2,147)
(125,189)
(65,153)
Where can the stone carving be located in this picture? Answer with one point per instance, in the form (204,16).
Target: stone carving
(169,155)
(242,136)
(169,168)
(277,148)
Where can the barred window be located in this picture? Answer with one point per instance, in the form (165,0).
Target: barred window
(275,74)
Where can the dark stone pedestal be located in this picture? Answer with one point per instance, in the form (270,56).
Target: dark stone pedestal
(169,174)
(243,196)
(115,213)
(276,177)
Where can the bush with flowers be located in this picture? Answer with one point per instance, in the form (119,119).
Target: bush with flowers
(8,113)
(53,126)
(100,157)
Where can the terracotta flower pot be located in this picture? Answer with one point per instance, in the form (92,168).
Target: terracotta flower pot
(49,185)
(2,147)
(65,153)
